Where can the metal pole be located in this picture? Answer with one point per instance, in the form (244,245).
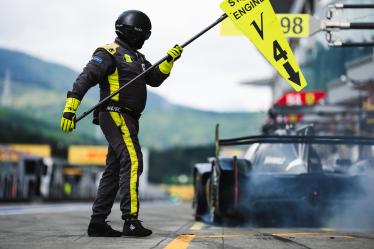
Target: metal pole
(361,25)
(358,44)
(353,6)
(340,6)
(347,25)
(223,17)
(353,44)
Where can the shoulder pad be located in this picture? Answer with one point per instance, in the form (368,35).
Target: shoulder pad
(111,48)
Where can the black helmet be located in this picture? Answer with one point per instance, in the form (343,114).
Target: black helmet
(133,27)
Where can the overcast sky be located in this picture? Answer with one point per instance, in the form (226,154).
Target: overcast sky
(207,76)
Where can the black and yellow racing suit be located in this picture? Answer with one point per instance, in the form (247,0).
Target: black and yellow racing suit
(112,66)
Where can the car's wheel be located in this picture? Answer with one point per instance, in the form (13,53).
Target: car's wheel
(200,202)
(213,200)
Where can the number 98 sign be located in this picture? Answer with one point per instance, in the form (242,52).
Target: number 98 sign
(294,25)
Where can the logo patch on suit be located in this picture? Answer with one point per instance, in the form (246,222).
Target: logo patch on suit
(97,59)
(128,58)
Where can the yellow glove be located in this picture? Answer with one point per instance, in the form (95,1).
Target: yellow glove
(173,55)
(68,117)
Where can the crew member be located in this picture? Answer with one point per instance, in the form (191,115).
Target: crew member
(112,66)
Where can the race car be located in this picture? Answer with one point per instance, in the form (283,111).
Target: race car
(281,179)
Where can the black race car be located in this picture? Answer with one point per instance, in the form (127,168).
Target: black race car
(281,179)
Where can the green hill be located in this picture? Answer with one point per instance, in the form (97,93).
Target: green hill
(17,126)
(184,126)
(38,90)
(35,72)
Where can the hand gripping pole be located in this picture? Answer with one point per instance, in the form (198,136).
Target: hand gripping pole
(149,69)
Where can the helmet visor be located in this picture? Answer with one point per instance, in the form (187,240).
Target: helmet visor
(135,31)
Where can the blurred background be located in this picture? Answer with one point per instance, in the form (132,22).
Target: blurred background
(221,78)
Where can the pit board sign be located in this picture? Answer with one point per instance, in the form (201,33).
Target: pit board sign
(258,22)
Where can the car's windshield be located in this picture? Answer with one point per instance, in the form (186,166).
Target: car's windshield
(274,157)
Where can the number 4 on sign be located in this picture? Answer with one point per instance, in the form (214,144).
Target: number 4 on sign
(258,22)
(279,53)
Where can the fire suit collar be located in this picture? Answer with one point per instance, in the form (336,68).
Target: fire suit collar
(124,45)
(127,47)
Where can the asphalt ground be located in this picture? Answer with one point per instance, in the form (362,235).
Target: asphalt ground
(64,226)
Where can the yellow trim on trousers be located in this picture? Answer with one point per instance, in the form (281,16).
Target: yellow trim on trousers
(120,121)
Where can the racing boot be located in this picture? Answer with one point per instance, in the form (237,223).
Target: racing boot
(133,227)
(102,229)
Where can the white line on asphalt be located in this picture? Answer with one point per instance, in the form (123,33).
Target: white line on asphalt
(48,208)
(197,226)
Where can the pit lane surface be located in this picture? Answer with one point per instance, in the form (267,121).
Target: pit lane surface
(64,226)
